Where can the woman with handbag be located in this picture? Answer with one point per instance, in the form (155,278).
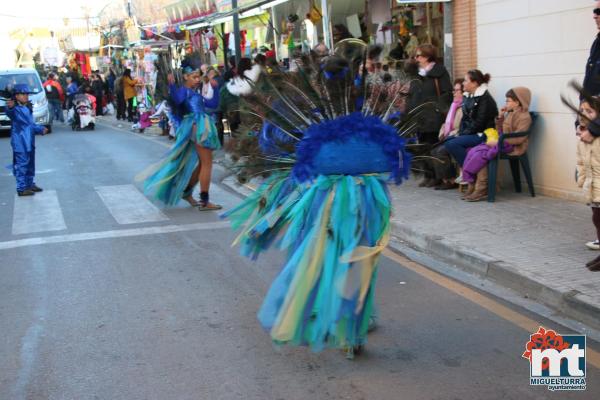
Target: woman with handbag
(436,93)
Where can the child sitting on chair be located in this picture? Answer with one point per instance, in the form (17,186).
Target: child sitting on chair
(514,117)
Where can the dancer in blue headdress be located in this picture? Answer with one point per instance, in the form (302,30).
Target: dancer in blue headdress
(190,158)
(328,205)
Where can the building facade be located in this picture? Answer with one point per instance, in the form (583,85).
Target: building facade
(541,44)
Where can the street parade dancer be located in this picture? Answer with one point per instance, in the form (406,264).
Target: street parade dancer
(333,149)
(189,161)
(22,139)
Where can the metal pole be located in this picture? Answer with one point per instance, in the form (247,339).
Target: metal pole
(225,47)
(448,37)
(236,32)
(275,35)
(327,39)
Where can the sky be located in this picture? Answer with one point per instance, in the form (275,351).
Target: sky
(45,12)
(40,13)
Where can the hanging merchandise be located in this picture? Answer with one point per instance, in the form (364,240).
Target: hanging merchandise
(314,13)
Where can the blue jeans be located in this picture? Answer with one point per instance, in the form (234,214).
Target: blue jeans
(458,146)
(56,111)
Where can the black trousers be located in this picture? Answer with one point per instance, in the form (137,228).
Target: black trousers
(120,106)
(130,109)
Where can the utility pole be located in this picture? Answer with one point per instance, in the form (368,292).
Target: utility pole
(236,31)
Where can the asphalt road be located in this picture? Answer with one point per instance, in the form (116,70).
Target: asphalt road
(101,301)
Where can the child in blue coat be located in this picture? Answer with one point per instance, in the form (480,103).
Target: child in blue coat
(22,140)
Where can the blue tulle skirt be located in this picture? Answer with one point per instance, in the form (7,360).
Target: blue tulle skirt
(334,230)
(167,180)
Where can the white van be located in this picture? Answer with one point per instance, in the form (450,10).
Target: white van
(29,76)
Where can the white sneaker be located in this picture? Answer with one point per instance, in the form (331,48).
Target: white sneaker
(459,180)
(595,245)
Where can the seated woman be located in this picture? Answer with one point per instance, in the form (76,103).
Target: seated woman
(444,171)
(514,117)
(479,113)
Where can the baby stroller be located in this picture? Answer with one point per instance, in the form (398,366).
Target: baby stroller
(82,114)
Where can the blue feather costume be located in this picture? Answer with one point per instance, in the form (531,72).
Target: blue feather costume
(331,212)
(168,179)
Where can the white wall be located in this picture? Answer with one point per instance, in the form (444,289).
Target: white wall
(541,44)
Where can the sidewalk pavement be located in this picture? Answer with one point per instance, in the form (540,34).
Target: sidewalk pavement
(534,246)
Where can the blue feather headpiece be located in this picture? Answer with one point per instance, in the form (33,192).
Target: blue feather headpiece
(353,144)
(190,65)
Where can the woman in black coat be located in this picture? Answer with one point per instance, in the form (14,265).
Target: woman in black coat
(479,113)
(436,96)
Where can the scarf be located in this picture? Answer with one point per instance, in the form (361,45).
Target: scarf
(449,124)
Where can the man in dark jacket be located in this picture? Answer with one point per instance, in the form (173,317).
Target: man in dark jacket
(591,82)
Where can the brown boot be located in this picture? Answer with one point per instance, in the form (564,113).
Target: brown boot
(469,192)
(481,186)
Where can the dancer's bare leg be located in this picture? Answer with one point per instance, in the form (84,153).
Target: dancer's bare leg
(190,186)
(204,176)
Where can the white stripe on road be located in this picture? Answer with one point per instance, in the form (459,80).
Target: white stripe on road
(128,206)
(39,213)
(80,237)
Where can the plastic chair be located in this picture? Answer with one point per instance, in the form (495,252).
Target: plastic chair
(514,164)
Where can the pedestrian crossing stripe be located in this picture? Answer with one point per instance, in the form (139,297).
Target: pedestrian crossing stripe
(39,213)
(128,206)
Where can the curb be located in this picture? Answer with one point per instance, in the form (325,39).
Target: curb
(573,304)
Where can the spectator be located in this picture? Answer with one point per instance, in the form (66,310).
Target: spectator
(444,171)
(397,52)
(119,95)
(98,91)
(591,81)
(129,92)
(514,117)
(411,46)
(479,113)
(55,96)
(340,32)
(230,73)
(110,82)
(588,160)
(211,86)
(437,94)
(72,90)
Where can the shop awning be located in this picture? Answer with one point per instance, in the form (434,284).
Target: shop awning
(421,1)
(245,11)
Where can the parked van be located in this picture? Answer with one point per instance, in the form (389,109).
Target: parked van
(29,76)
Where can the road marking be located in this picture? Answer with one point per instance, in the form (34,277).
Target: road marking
(528,324)
(39,213)
(79,237)
(128,206)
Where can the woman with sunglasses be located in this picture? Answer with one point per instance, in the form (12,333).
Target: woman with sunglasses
(436,97)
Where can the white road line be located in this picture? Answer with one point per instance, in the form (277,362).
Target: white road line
(80,237)
(39,213)
(128,206)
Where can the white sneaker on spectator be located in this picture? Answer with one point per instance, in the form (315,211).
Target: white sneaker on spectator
(595,245)
(459,180)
